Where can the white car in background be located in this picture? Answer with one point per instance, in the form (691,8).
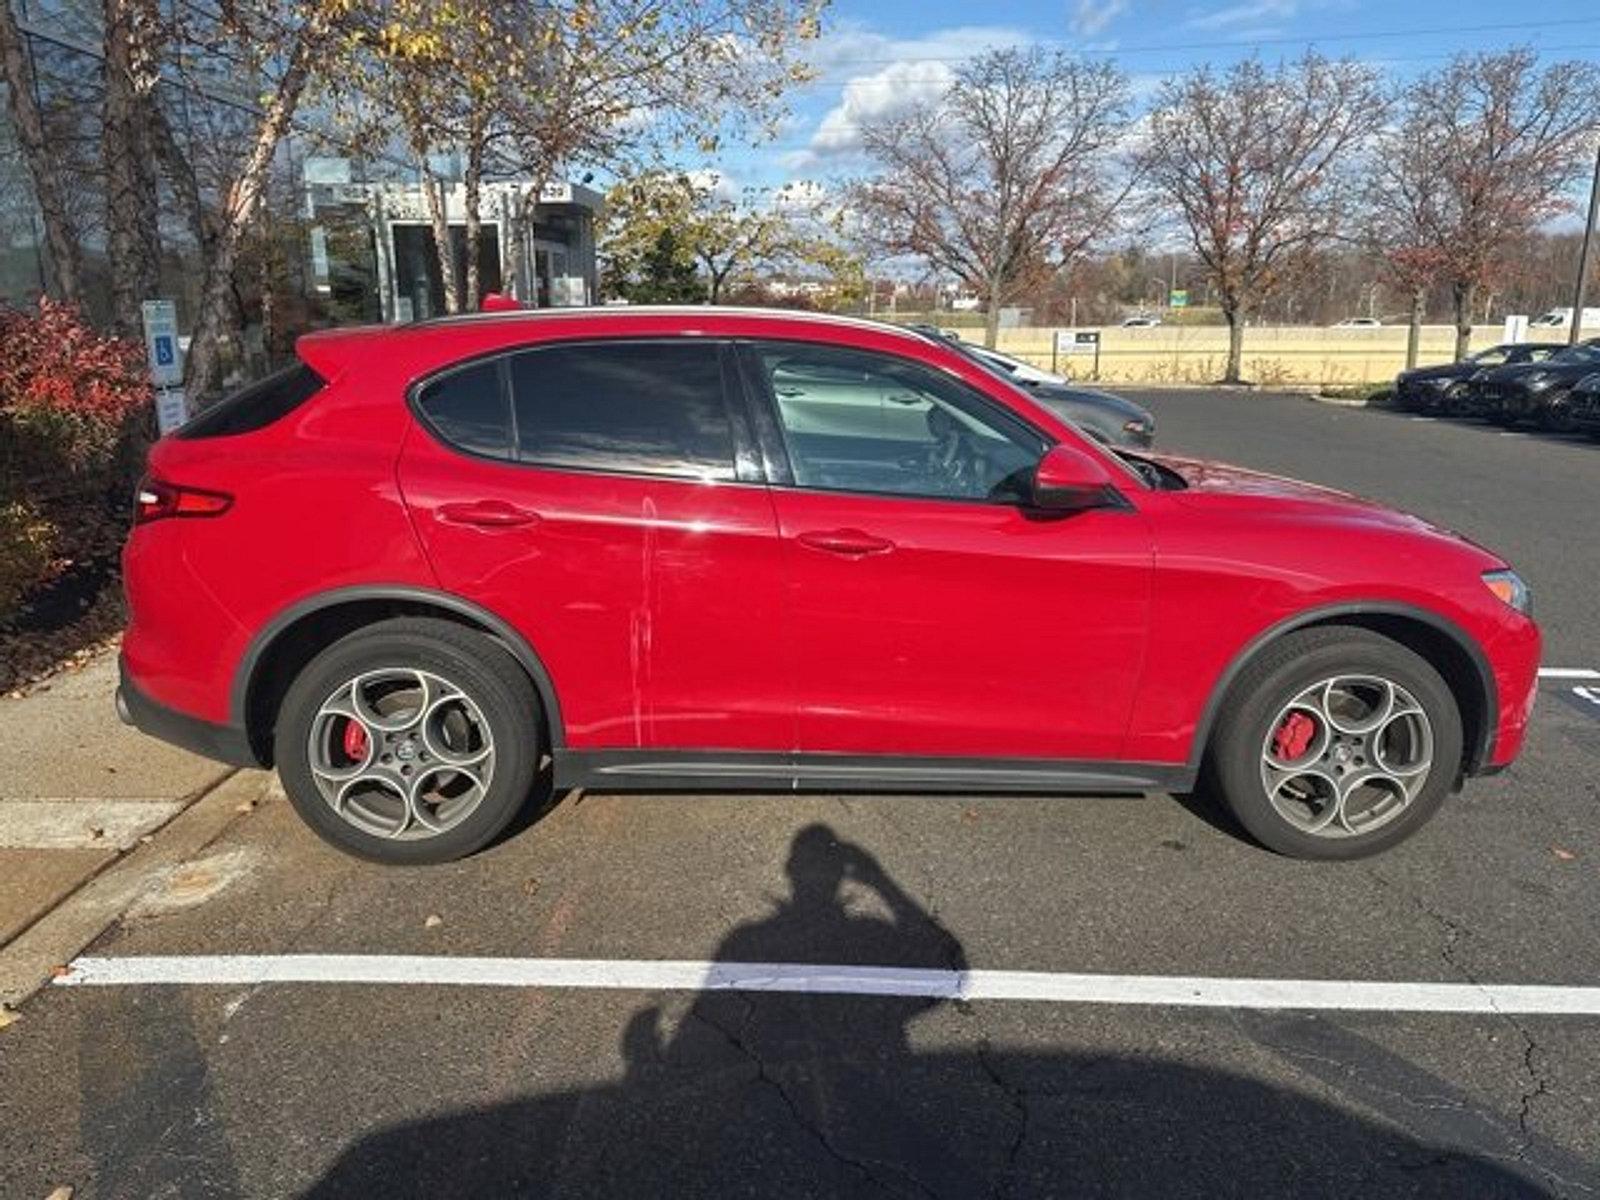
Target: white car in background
(1018,369)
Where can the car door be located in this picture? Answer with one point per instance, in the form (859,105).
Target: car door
(601,497)
(931,612)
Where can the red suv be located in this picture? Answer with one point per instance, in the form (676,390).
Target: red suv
(714,549)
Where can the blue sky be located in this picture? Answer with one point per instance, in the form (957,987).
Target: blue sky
(876,53)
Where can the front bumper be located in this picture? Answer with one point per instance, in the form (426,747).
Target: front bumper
(225,743)
(1511,401)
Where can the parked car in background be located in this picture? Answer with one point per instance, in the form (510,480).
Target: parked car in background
(714,549)
(1140,322)
(1537,392)
(1561,318)
(1443,388)
(1584,405)
(1109,419)
(1017,369)
(1359,323)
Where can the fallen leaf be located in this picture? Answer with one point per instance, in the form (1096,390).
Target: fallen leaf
(1563,853)
(64,1192)
(530,886)
(245,806)
(7,1017)
(433,921)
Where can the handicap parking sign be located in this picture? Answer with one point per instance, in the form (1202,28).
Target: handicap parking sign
(164,356)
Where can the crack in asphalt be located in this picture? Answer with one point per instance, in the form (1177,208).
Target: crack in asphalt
(1538,1084)
(764,1075)
(1018,1096)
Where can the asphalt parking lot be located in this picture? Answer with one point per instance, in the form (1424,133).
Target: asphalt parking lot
(894,1081)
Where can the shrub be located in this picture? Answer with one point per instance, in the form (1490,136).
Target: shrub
(67,396)
(71,402)
(25,543)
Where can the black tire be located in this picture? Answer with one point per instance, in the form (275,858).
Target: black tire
(481,668)
(1279,674)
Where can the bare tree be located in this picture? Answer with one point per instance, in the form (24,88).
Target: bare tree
(49,189)
(1257,161)
(299,35)
(1002,180)
(1405,203)
(1510,139)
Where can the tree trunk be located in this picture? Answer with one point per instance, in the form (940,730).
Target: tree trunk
(1235,369)
(991,318)
(1419,298)
(1464,293)
(438,217)
(133,236)
(472,180)
(60,237)
(204,363)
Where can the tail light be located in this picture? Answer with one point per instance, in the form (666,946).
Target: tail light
(157,499)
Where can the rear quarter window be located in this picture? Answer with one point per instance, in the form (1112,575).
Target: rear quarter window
(255,406)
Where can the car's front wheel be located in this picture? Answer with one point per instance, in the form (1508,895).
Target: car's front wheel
(1336,743)
(411,741)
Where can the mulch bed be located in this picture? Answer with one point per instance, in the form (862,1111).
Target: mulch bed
(76,612)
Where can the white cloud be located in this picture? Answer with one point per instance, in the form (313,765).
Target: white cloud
(1249,12)
(1090,17)
(904,72)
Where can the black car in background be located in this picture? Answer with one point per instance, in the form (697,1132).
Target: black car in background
(1443,388)
(1539,393)
(1583,405)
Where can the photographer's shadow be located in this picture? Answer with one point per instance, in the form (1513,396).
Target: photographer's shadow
(788,1093)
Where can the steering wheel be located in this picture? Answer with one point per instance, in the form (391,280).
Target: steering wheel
(953,459)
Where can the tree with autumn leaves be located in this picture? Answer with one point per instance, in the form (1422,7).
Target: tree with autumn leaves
(526,91)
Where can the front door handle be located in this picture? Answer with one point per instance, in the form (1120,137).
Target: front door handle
(852,543)
(486,514)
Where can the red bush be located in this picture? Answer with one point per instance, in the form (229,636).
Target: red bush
(66,392)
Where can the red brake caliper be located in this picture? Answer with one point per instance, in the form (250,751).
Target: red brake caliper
(355,741)
(1293,737)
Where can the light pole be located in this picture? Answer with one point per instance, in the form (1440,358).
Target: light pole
(1576,331)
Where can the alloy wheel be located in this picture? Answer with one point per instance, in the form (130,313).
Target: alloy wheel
(401,753)
(1347,755)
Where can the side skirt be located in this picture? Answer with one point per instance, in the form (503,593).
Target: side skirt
(737,770)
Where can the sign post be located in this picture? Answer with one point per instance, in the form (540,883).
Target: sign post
(166,363)
(1077,341)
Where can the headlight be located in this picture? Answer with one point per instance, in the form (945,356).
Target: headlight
(1510,588)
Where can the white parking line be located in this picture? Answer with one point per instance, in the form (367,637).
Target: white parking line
(1568,673)
(655,976)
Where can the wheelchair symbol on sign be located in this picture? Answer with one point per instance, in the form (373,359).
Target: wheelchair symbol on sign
(163,351)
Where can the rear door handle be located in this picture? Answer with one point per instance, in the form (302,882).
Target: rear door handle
(487,514)
(852,543)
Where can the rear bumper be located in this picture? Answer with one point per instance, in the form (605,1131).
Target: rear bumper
(225,743)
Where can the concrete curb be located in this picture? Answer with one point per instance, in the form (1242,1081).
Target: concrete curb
(30,959)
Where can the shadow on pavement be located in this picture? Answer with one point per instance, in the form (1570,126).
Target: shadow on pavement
(764,1095)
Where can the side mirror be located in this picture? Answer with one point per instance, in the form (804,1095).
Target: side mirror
(1070,480)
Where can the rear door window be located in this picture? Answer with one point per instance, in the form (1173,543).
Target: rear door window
(654,408)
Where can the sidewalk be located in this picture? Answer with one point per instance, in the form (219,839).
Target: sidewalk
(78,789)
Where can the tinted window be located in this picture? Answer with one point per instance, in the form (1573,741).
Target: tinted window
(468,409)
(652,407)
(256,406)
(861,422)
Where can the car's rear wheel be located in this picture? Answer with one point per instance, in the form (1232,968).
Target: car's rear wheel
(1336,743)
(411,741)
